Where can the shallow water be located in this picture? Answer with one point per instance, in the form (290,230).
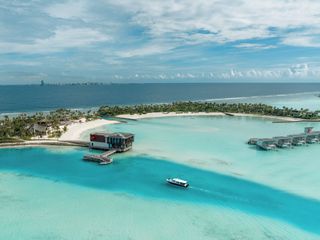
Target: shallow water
(141,180)
(219,144)
(236,192)
(36,208)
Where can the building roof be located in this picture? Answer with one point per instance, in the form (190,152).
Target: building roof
(39,128)
(312,134)
(298,135)
(282,137)
(266,140)
(116,134)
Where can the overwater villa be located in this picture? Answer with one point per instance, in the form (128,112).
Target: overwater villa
(266,143)
(283,141)
(298,139)
(309,136)
(253,141)
(312,138)
(120,142)
(111,142)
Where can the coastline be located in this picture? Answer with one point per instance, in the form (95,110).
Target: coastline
(190,114)
(44,142)
(75,130)
(72,137)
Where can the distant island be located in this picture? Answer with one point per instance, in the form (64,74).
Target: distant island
(56,123)
(210,107)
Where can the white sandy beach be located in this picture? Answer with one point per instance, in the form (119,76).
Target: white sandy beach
(174,114)
(76,129)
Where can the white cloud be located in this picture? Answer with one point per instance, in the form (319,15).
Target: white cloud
(21,63)
(302,41)
(297,71)
(61,39)
(254,46)
(68,10)
(223,21)
(302,71)
(149,49)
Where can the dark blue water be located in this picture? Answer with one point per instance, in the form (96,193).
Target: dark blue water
(145,176)
(41,98)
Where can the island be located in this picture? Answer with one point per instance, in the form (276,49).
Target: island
(65,126)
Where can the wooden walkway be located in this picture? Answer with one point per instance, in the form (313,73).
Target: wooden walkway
(103,158)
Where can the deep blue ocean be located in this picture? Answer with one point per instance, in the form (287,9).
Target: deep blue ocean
(30,98)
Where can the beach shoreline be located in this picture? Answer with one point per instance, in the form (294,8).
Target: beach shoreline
(199,114)
(74,130)
(72,137)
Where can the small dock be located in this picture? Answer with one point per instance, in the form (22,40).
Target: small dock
(103,158)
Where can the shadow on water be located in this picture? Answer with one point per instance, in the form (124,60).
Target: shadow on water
(146,176)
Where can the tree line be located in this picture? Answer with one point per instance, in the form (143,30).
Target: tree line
(20,127)
(248,108)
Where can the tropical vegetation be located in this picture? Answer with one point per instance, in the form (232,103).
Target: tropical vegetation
(53,124)
(248,108)
(22,127)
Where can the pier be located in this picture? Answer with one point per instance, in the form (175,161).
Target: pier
(308,137)
(100,158)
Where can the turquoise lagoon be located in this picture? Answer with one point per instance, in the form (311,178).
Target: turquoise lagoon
(237,191)
(219,144)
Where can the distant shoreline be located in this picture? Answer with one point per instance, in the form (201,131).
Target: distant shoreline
(195,114)
(72,137)
(68,125)
(29,99)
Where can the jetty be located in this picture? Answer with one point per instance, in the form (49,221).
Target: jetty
(110,142)
(100,158)
(308,137)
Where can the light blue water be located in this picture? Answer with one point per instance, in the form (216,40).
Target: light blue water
(257,195)
(144,176)
(219,144)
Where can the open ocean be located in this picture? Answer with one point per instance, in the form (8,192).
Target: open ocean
(33,98)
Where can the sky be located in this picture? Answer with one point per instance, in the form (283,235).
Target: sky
(66,41)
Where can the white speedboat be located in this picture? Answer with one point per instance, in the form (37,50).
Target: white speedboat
(178,182)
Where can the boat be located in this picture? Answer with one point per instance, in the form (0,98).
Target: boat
(178,182)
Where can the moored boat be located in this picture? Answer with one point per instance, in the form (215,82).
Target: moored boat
(178,182)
